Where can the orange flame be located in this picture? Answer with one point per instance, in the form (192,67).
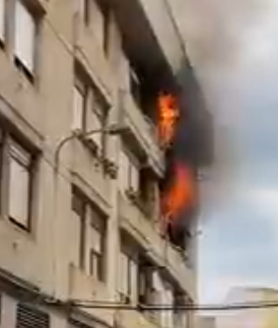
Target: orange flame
(168,114)
(182,192)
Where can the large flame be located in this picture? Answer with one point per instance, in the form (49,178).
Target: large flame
(168,114)
(182,192)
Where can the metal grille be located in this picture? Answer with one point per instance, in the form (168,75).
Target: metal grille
(29,317)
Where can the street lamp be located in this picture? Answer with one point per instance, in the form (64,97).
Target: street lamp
(114,129)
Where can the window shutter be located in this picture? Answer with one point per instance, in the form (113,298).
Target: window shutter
(25,29)
(29,317)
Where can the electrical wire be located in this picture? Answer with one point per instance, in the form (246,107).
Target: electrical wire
(193,307)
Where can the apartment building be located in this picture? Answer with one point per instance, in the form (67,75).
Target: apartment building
(80,237)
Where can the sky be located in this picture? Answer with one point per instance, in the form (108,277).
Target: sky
(234,48)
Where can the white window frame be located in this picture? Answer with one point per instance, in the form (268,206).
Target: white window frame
(21,157)
(3,10)
(25,57)
(125,277)
(96,117)
(92,223)
(97,253)
(129,173)
(80,92)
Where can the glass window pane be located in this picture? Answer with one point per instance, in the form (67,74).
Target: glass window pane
(78,106)
(96,240)
(95,124)
(2,19)
(124,276)
(18,192)
(25,29)
(123,171)
(134,177)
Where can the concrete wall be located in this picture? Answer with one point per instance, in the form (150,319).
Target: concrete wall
(42,111)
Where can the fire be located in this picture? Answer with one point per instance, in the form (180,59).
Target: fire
(168,114)
(182,192)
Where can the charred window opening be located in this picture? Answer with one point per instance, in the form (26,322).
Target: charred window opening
(144,93)
(146,289)
(147,194)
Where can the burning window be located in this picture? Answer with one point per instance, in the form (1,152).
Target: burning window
(168,114)
(179,198)
(181,193)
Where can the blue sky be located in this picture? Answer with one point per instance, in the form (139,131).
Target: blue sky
(239,243)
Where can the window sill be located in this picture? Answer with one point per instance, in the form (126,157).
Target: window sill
(24,71)
(9,226)
(19,225)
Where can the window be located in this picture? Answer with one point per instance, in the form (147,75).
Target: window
(19,184)
(92,252)
(125,279)
(146,288)
(97,241)
(147,187)
(78,205)
(17,165)
(79,105)
(2,19)
(25,35)
(135,87)
(105,21)
(89,111)
(87,4)
(179,316)
(96,117)
(128,174)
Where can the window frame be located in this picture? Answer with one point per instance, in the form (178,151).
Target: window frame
(82,88)
(9,138)
(95,107)
(100,109)
(128,293)
(101,255)
(35,12)
(81,212)
(132,164)
(87,213)
(105,11)
(29,170)
(4,36)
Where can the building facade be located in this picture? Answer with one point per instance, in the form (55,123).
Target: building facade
(80,237)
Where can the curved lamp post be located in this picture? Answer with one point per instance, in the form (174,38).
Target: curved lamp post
(114,129)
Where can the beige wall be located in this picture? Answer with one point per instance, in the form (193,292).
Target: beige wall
(42,111)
